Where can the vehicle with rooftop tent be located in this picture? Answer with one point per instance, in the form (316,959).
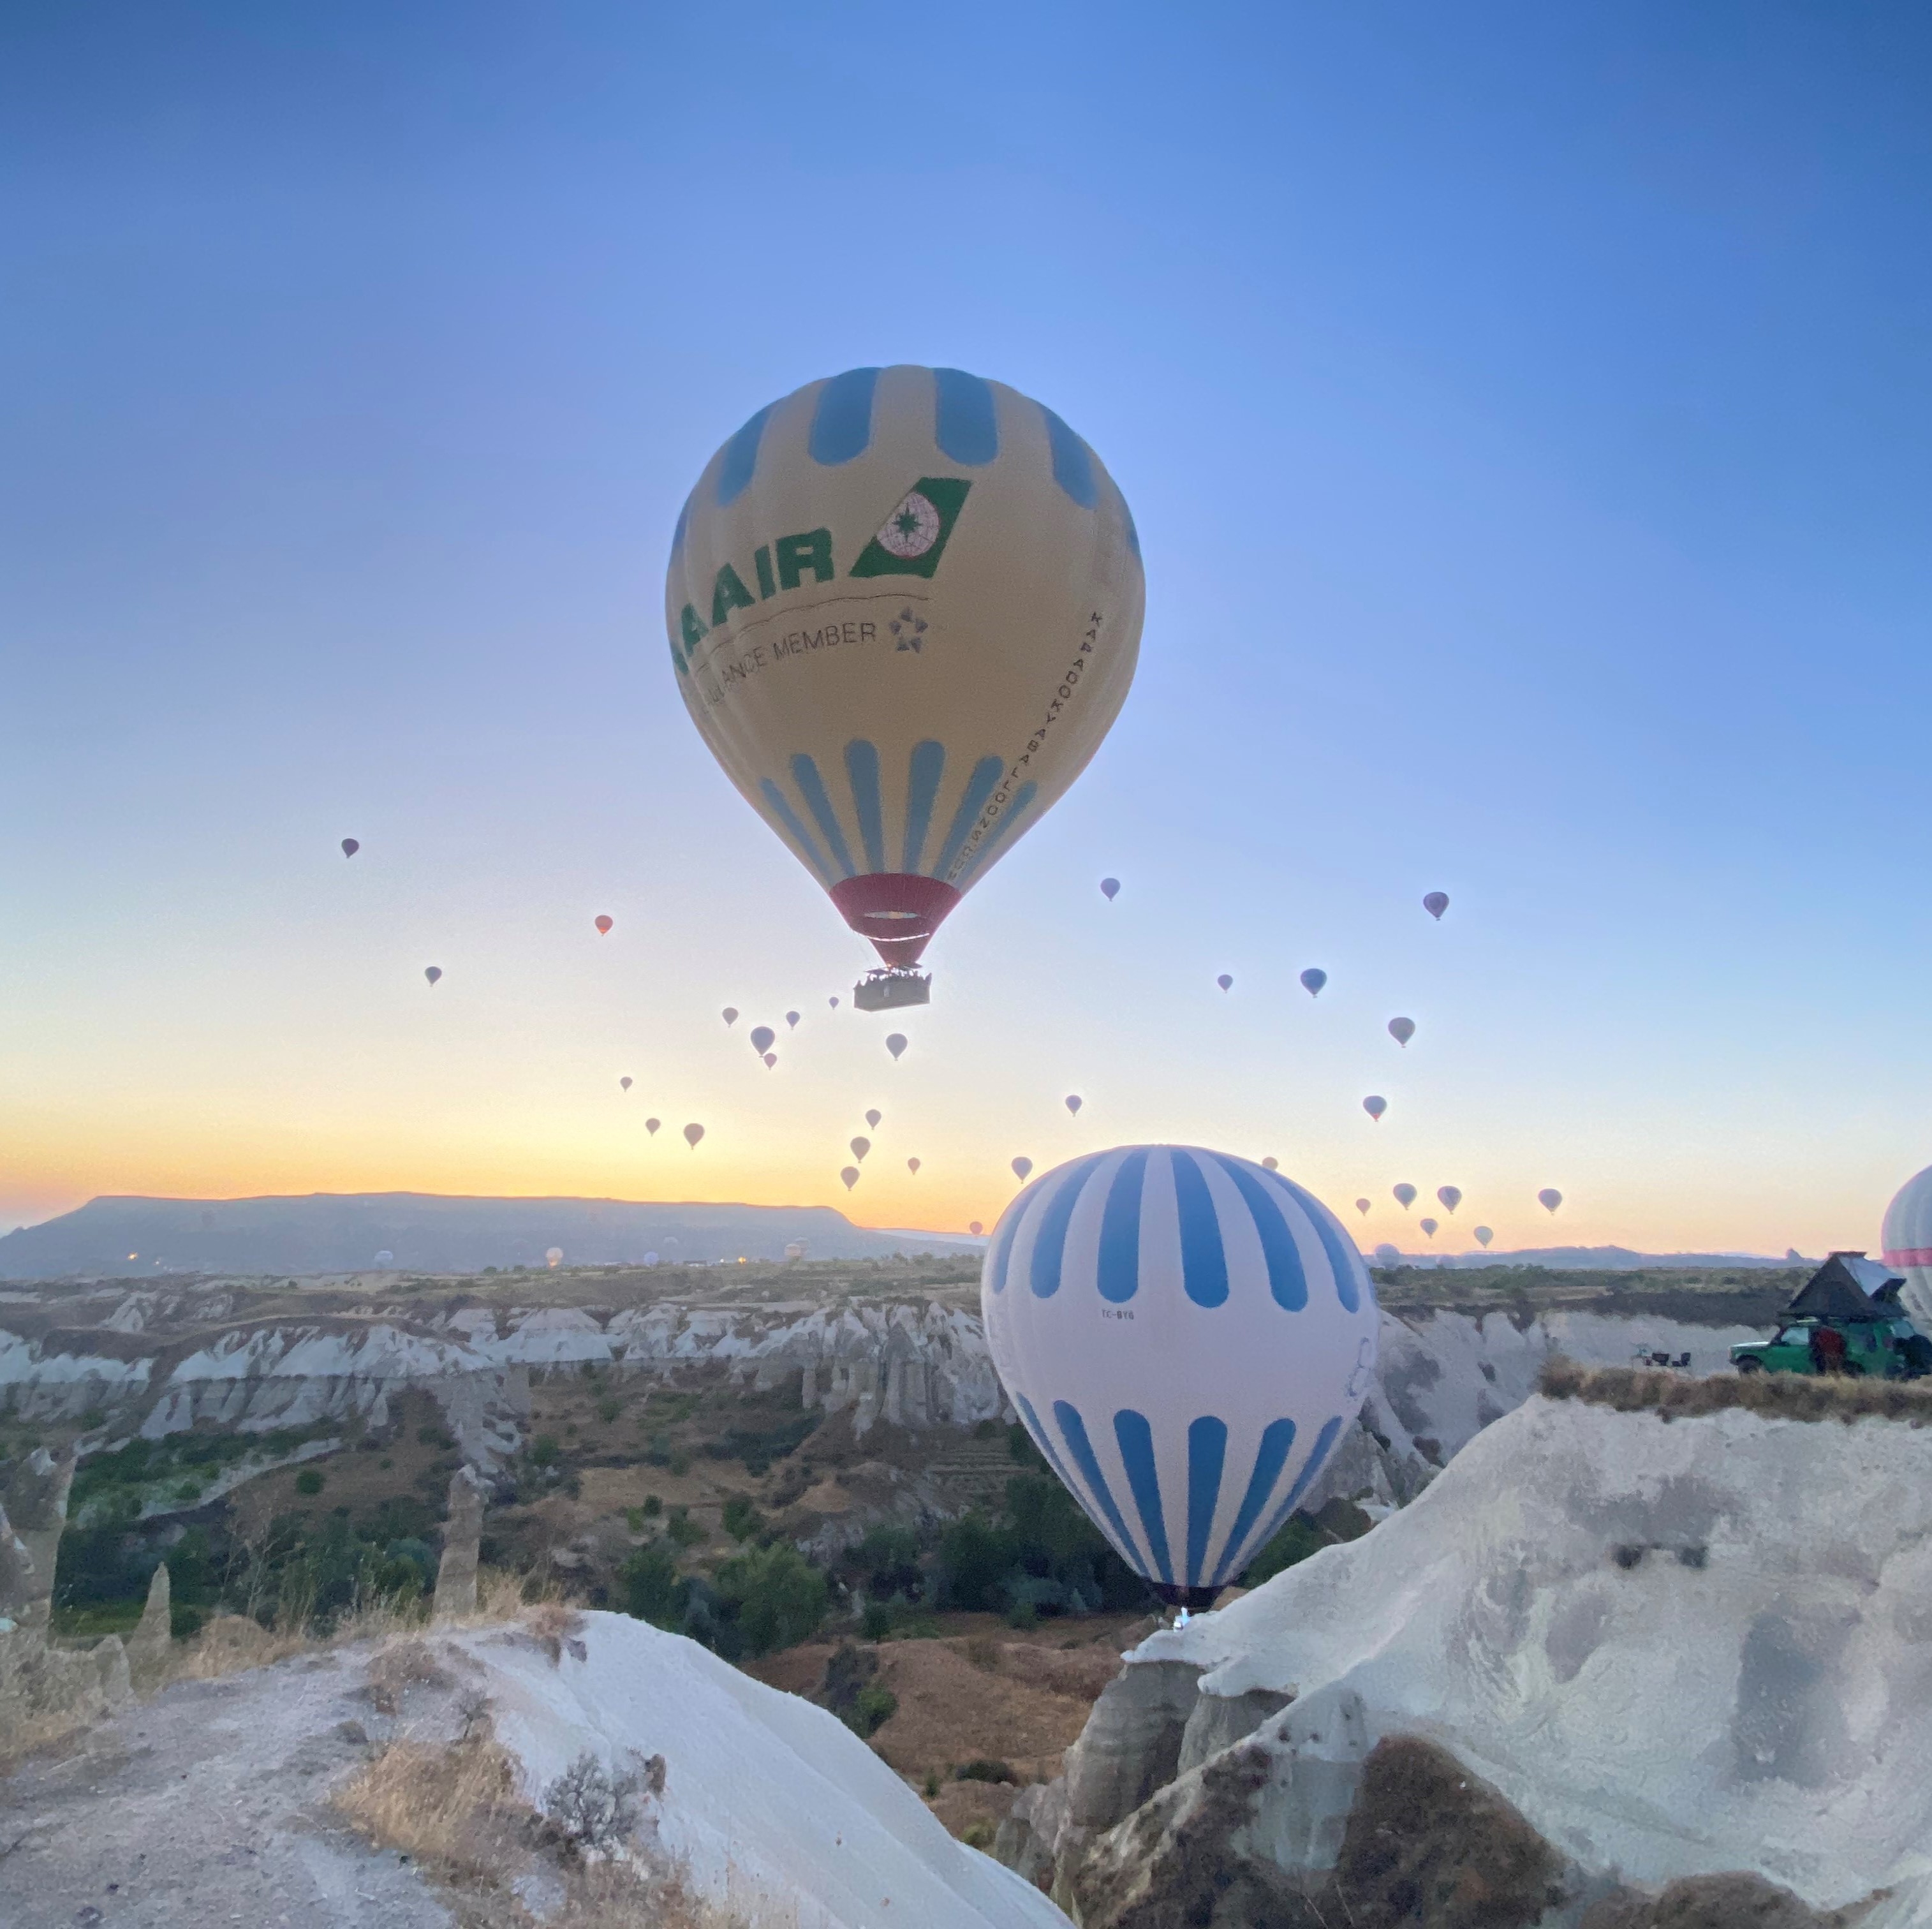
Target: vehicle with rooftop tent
(1846,1318)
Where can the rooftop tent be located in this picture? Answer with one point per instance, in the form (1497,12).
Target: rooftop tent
(1849,1286)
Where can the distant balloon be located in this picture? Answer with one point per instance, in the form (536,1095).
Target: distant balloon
(860,1146)
(1313,980)
(730,1016)
(1435,903)
(1110,888)
(791,1019)
(850,1174)
(651,1126)
(1428,1226)
(1362,1206)
(975,1228)
(762,1036)
(833,1002)
(350,847)
(1226,983)
(912,1164)
(603,924)
(692,1134)
(650,1258)
(1375,1105)
(625,1083)
(1483,1235)
(1021,1167)
(1270,1164)
(895,1043)
(433,972)
(1402,1029)
(795,1250)
(1388,1255)
(771,1058)
(554,1256)
(1405,1196)
(1451,1197)
(1549,1198)
(385,1257)
(872,1119)
(1074,1102)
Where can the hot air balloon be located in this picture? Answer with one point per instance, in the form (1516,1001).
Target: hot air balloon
(912,1164)
(350,847)
(872,1119)
(1435,903)
(692,1134)
(954,586)
(1270,1164)
(850,1174)
(554,1256)
(385,1257)
(1375,1105)
(1404,1195)
(1402,1029)
(625,1083)
(1451,1197)
(1226,983)
(1388,1255)
(1483,1235)
(1907,1243)
(1362,1206)
(895,1043)
(1313,980)
(860,1146)
(1549,1198)
(771,1058)
(603,924)
(791,1021)
(795,1250)
(975,1228)
(651,1126)
(730,1014)
(1110,888)
(762,1037)
(1074,1102)
(1428,1226)
(1021,1167)
(1189,1433)
(433,972)
(833,1002)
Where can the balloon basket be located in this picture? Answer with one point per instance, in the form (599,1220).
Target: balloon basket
(890,989)
(1189,1600)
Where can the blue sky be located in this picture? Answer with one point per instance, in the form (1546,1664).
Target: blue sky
(1525,414)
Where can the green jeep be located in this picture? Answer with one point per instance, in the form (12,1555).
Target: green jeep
(1891,1349)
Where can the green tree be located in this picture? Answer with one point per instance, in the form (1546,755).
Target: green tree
(652,1592)
(780,1598)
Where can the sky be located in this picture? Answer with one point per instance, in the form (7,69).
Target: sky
(1524,411)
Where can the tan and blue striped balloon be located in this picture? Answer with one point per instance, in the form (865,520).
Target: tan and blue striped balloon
(1186,1335)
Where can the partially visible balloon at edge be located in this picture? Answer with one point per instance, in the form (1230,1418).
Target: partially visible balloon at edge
(1483,1235)
(651,1126)
(604,923)
(1375,1105)
(1271,1164)
(1549,1198)
(349,847)
(1110,888)
(1313,980)
(1435,903)
(433,972)
(692,1134)
(1021,1167)
(895,1043)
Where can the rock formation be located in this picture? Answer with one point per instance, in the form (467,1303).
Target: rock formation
(151,1643)
(462,1536)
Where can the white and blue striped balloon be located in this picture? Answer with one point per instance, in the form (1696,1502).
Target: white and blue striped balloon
(1186,1336)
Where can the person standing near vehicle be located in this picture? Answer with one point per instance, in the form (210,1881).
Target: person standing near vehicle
(1828,1350)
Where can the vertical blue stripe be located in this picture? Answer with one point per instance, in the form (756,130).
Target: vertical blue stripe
(1275,1441)
(1207,1448)
(862,766)
(1072,462)
(1204,1262)
(1324,1441)
(789,818)
(1043,1441)
(1049,1245)
(1119,1267)
(1002,1247)
(811,788)
(1288,1280)
(1073,1431)
(741,459)
(979,788)
(1000,833)
(677,534)
(1343,1259)
(1133,534)
(923,772)
(1135,1438)
(842,425)
(965,424)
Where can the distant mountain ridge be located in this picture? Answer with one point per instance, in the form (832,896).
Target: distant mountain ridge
(425,1232)
(1587,1259)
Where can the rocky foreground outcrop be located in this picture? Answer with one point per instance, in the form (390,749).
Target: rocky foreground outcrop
(1606,1670)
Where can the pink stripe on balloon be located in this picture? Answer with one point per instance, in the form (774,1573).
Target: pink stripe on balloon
(1911,1255)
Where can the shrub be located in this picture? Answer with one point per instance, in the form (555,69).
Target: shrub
(653,1507)
(309,1482)
(779,1597)
(932,1785)
(596,1807)
(985,1768)
(609,1407)
(685,1532)
(876,1623)
(872,1708)
(978,1833)
(652,1592)
(544,1449)
(742,1518)
(634,1519)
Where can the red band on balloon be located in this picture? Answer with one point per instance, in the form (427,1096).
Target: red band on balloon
(1910,1255)
(899,911)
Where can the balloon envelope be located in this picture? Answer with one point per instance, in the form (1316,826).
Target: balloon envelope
(1483,1235)
(1313,980)
(1388,1255)
(651,1126)
(833,1002)
(872,1119)
(895,1043)
(881,586)
(1549,1198)
(1226,983)
(912,1164)
(625,1083)
(1362,1206)
(1188,1432)
(385,1257)
(1375,1105)
(1402,1029)
(791,1020)
(1428,1226)
(730,1014)
(433,972)
(1404,1195)
(1110,888)
(1435,903)
(795,1250)
(771,1058)
(555,1253)
(1074,1102)
(762,1036)
(1270,1164)
(975,1228)
(860,1146)
(850,1174)
(350,847)
(1021,1167)
(1451,1197)
(692,1134)
(650,1258)
(604,924)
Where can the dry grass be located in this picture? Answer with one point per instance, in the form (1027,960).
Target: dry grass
(1777,1395)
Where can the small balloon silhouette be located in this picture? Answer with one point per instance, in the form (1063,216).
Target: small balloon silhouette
(604,925)
(692,1134)
(1483,1235)
(872,1119)
(625,1083)
(1362,1206)
(1375,1105)
(850,1174)
(1074,1102)
(771,1058)
(1226,983)
(975,1228)
(1402,1029)
(762,1036)
(1428,1226)
(912,1164)
(1405,1196)
(1435,903)
(895,1043)
(349,847)
(1110,888)
(1271,1163)
(1313,980)
(860,1146)
(1549,1198)
(433,972)
(833,1002)
(1021,1167)
(731,1016)
(651,1126)
(791,1019)
(1451,1197)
